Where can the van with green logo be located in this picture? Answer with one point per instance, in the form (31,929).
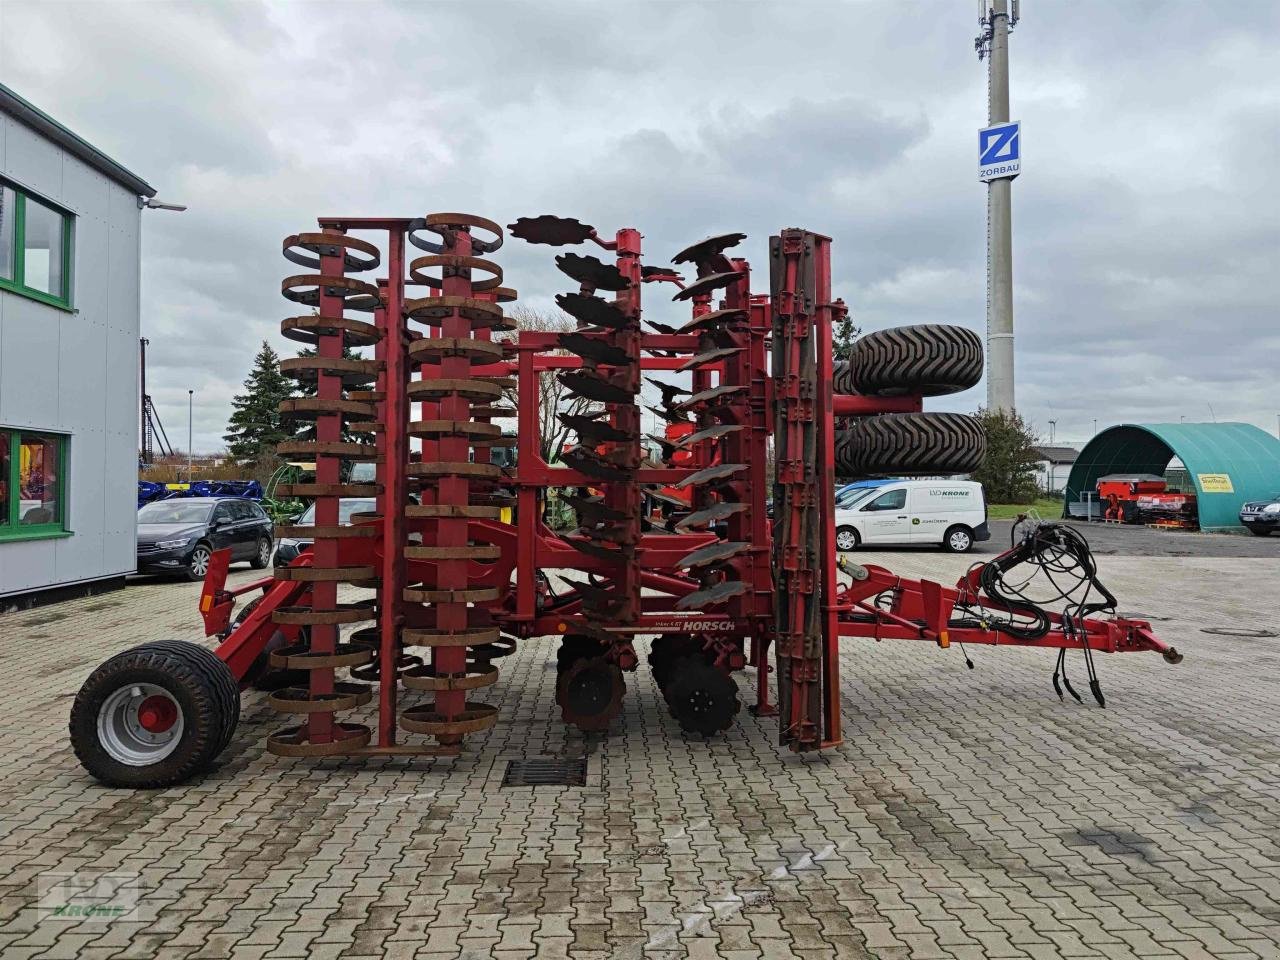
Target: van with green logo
(951,514)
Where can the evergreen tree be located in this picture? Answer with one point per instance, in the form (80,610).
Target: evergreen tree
(306,429)
(1008,471)
(256,426)
(843,337)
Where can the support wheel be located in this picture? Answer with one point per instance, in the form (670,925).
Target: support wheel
(262,555)
(590,693)
(155,715)
(703,698)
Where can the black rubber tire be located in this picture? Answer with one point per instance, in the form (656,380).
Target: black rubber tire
(257,562)
(905,444)
(946,539)
(857,540)
(702,697)
(930,359)
(193,675)
(189,571)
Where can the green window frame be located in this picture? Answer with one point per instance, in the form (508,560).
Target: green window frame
(16,281)
(11,525)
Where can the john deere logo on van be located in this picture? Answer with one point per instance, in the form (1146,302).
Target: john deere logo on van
(915,521)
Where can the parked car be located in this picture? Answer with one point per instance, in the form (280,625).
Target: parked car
(1261,517)
(952,513)
(179,536)
(289,547)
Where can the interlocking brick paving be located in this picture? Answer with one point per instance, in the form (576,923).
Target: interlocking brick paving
(969,813)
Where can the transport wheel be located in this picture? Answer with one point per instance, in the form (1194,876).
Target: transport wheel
(703,698)
(930,359)
(154,715)
(262,556)
(957,539)
(198,565)
(902,444)
(591,693)
(847,539)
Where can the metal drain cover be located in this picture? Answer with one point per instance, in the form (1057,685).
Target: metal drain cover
(546,772)
(1240,632)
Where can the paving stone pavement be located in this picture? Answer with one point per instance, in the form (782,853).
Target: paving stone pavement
(969,814)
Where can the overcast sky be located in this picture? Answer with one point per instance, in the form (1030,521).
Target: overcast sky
(1146,224)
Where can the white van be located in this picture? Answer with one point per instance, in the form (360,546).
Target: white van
(952,513)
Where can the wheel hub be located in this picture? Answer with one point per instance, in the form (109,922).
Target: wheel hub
(156,714)
(140,724)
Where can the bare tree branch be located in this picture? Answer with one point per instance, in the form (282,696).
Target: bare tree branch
(553,397)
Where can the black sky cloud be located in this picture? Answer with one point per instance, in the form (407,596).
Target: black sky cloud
(1146,226)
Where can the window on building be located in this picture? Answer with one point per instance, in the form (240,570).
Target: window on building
(8,223)
(32,484)
(35,247)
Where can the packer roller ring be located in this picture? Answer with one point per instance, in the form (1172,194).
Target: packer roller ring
(326,574)
(455,428)
(308,408)
(472,595)
(444,224)
(300,657)
(430,349)
(345,696)
(306,617)
(309,328)
(480,551)
(437,511)
(342,449)
(481,313)
(305,288)
(331,245)
(473,718)
(353,372)
(463,637)
(450,261)
(484,471)
(470,389)
(293,742)
(477,675)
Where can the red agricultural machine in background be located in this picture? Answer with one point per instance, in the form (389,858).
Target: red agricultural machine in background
(1146,498)
(417,602)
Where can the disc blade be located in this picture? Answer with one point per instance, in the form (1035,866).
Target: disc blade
(712,474)
(591,387)
(712,281)
(594,348)
(592,310)
(556,231)
(592,272)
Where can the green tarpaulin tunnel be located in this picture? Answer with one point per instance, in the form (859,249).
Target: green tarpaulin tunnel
(1228,463)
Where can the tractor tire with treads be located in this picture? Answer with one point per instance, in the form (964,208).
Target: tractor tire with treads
(930,359)
(903,444)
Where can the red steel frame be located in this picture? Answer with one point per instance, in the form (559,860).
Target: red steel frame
(919,609)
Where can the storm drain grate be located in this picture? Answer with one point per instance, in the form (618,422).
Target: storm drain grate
(546,772)
(1239,632)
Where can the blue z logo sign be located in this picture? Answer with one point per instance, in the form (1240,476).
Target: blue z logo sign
(998,145)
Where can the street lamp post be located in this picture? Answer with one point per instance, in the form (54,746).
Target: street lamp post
(190,402)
